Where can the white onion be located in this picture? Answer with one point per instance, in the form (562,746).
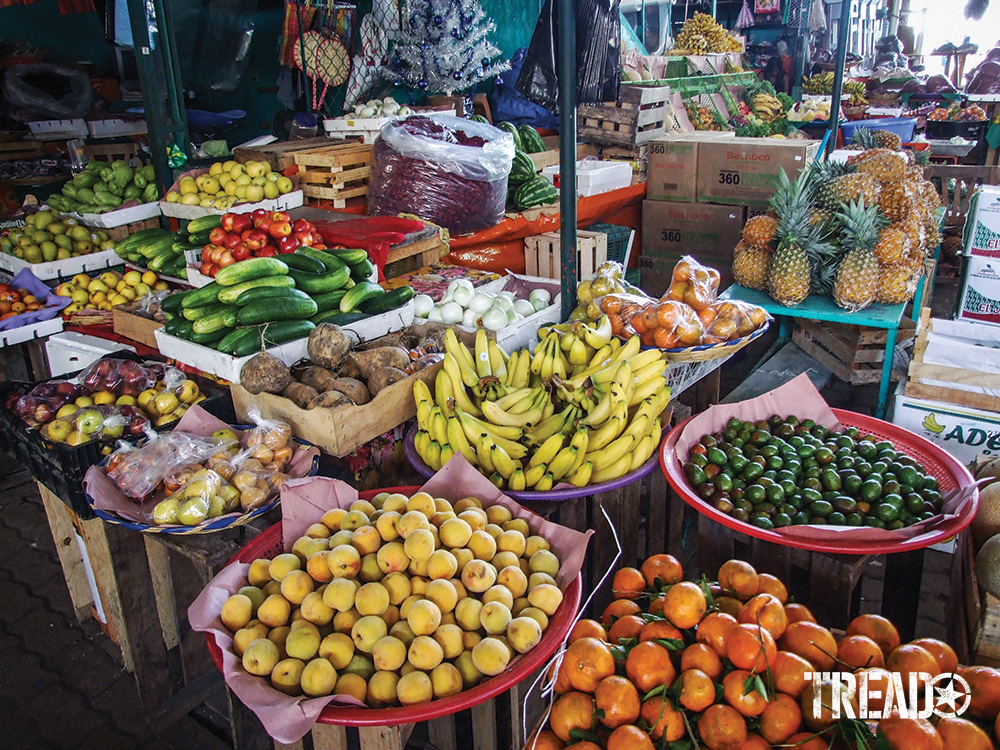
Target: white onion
(513,317)
(388,100)
(538,304)
(495,319)
(542,294)
(524,308)
(367,112)
(510,296)
(422,305)
(451,312)
(505,303)
(404,111)
(463,295)
(470,318)
(435,314)
(480,302)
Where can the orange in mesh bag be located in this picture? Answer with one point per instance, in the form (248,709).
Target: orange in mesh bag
(694,284)
(727,320)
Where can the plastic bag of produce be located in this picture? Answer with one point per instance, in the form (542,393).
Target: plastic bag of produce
(122,377)
(444,169)
(726,320)
(46,91)
(693,283)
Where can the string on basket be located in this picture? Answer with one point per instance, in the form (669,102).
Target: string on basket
(547,688)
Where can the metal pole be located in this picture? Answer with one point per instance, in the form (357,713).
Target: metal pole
(567,151)
(843,32)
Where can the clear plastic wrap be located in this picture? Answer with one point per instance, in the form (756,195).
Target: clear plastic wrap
(693,283)
(42,403)
(101,422)
(46,91)
(122,377)
(201,497)
(444,169)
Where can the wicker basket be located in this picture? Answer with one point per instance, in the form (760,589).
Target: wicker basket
(706,352)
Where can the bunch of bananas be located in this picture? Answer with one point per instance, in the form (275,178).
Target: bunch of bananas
(768,108)
(854,93)
(702,34)
(582,407)
(821,84)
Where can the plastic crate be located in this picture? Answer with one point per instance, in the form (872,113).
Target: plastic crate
(901,126)
(617,239)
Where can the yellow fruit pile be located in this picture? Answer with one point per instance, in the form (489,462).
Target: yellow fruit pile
(396,601)
(228,183)
(47,237)
(108,290)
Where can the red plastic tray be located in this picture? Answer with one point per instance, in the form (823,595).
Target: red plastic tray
(948,470)
(268,544)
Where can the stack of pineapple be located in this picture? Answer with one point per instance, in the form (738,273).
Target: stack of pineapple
(858,232)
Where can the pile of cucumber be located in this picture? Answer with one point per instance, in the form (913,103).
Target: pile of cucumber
(162,251)
(281,298)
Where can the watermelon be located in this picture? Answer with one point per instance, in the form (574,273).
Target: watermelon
(522,170)
(536,192)
(530,139)
(480,118)
(512,129)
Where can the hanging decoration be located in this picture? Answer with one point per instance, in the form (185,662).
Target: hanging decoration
(323,58)
(444,47)
(334,19)
(817,16)
(767,6)
(746,18)
(378,29)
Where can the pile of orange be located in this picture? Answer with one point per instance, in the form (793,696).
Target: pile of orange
(16,301)
(723,666)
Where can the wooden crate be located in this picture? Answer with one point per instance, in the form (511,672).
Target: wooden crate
(543,256)
(335,173)
(637,156)
(853,353)
(110,151)
(13,150)
(117,234)
(280,155)
(550,156)
(135,327)
(639,116)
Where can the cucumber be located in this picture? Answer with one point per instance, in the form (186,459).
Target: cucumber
(206,295)
(337,318)
(180,328)
(248,270)
(273,295)
(217,321)
(202,223)
(265,311)
(277,333)
(197,313)
(229,294)
(301,262)
(362,271)
(172,302)
(391,300)
(360,293)
(330,300)
(227,343)
(198,238)
(314,283)
(209,339)
(330,262)
(350,256)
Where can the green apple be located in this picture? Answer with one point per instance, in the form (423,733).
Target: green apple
(66,410)
(59,429)
(224,435)
(284,184)
(193,511)
(89,421)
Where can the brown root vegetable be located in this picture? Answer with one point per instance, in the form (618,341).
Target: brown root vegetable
(264,373)
(384,356)
(384,377)
(349,368)
(299,394)
(329,400)
(328,345)
(317,377)
(355,390)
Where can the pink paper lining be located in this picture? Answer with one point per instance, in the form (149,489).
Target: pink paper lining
(196,421)
(303,502)
(800,397)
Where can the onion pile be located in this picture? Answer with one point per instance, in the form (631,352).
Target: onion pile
(463,305)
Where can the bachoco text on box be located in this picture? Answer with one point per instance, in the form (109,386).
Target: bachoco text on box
(746,171)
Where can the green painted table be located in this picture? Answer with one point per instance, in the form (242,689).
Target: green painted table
(824,308)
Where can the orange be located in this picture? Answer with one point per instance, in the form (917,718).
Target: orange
(701,656)
(767,611)
(878,628)
(857,651)
(909,659)
(619,608)
(910,734)
(663,719)
(943,654)
(826,715)
(813,643)
(629,737)
(808,741)
(658,629)
(788,673)
(750,647)
(628,583)
(996,726)
(584,745)
(798,613)
(626,627)
(714,630)
(619,700)
(729,604)
(722,728)
(562,685)
(747,701)
(769,584)
(781,718)
(545,740)
(697,690)
(587,629)
(755,742)
(984,685)
(587,662)
(962,734)
(571,711)
(664,567)
(684,604)
(648,665)
(875,680)
(655,606)
(740,578)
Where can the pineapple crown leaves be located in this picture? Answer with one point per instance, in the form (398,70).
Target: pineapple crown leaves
(923,157)
(865,137)
(859,225)
(792,203)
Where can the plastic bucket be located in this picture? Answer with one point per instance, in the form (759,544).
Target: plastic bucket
(901,126)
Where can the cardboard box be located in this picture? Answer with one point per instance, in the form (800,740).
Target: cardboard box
(673,230)
(963,431)
(980,298)
(136,327)
(745,171)
(982,226)
(672,166)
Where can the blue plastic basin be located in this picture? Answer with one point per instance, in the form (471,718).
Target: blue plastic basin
(901,126)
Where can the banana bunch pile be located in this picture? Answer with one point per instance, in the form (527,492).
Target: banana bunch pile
(821,84)
(768,108)
(582,408)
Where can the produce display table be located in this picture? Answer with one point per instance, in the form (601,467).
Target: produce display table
(825,309)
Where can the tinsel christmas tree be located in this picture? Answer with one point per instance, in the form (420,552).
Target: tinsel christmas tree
(444,47)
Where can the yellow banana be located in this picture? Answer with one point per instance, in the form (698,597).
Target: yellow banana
(638,427)
(433,457)
(458,440)
(516,480)
(582,475)
(496,480)
(549,360)
(494,431)
(444,392)
(547,450)
(563,462)
(656,430)
(484,451)
(580,441)
(512,398)
(598,337)
(623,376)
(560,365)
(439,427)
(524,403)
(618,469)
(519,378)
(474,429)
(603,410)
(566,341)
(498,416)
(648,372)
(503,463)
(498,360)
(420,442)
(646,357)
(646,407)
(545,483)
(463,358)
(423,415)
(549,427)
(610,453)
(446,453)
(602,436)
(539,356)
(664,399)
(421,392)
(459,393)
(602,357)
(512,361)
(550,408)
(578,352)
(533,474)
(482,354)
(643,450)
(649,388)
(615,344)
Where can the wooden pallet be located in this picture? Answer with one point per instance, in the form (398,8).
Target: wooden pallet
(14,150)
(543,257)
(639,116)
(335,173)
(854,354)
(280,155)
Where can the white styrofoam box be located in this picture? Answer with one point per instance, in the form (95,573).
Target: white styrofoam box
(962,431)
(55,269)
(594,177)
(70,351)
(33,331)
(56,130)
(121,216)
(980,298)
(367,129)
(982,225)
(113,127)
(286,202)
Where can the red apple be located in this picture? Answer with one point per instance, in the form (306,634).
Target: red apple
(258,216)
(267,251)
(319,246)
(207,269)
(226,259)
(287,245)
(246,233)
(241,252)
(281,216)
(302,225)
(264,224)
(304,238)
(231,241)
(44,413)
(206,253)
(256,240)
(217,236)
(25,406)
(241,222)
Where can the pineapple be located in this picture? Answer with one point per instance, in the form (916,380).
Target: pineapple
(932,233)
(820,217)
(896,285)
(789,280)
(823,260)
(848,188)
(896,201)
(759,232)
(751,266)
(857,274)
(885,167)
(868,138)
(892,246)
(914,229)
